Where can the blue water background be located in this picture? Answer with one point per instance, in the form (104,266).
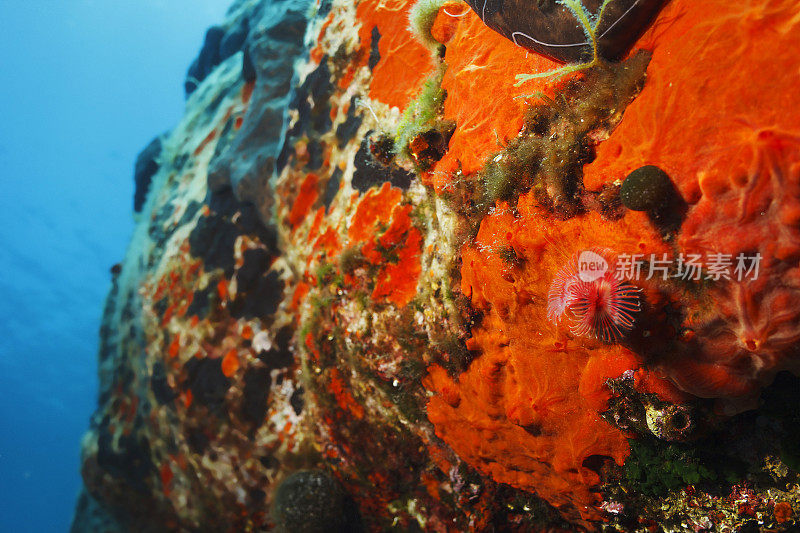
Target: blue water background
(84,85)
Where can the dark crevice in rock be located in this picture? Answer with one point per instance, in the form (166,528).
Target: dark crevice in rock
(332,187)
(261,300)
(311,102)
(144,170)
(371,173)
(215,235)
(254,396)
(163,393)
(127,458)
(347,129)
(280,355)
(374,52)
(207,382)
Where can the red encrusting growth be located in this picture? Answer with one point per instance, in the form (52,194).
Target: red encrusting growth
(446,21)
(481,97)
(404,62)
(375,207)
(316,224)
(247,92)
(210,137)
(299,294)
(343,395)
(397,279)
(174,346)
(328,242)
(230,363)
(526,411)
(782,512)
(306,197)
(397,250)
(166,475)
(653,383)
(718,113)
(187,398)
(222,289)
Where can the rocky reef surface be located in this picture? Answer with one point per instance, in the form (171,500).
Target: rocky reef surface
(394,272)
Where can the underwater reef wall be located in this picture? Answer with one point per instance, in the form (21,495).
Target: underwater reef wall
(393,271)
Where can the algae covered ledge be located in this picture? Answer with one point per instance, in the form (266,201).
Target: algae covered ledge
(448,266)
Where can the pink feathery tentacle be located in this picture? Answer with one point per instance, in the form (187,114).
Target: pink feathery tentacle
(604,308)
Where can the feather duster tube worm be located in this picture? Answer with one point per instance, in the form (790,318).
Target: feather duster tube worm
(599,304)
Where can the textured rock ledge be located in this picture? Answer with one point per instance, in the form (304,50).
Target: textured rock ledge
(337,311)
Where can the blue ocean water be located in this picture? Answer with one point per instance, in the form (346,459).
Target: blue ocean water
(84,85)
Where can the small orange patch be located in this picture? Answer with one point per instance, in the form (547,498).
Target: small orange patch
(187,398)
(247,91)
(222,289)
(318,217)
(299,294)
(329,242)
(397,280)
(783,512)
(305,199)
(167,314)
(166,478)
(404,63)
(317,53)
(174,346)
(397,250)
(375,207)
(210,137)
(230,363)
(343,396)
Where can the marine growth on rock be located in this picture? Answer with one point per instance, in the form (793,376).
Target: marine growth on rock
(377,286)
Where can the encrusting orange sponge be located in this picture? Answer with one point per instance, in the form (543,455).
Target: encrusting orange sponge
(719,115)
(526,410)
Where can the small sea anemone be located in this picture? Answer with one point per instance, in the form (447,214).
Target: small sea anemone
(600,305)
